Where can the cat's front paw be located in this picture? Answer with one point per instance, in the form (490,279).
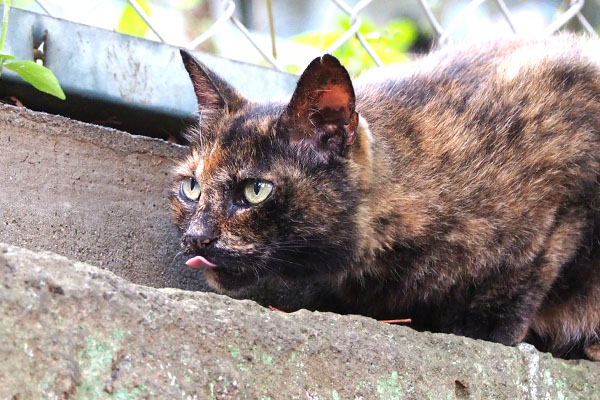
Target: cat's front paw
(592,351)
(496,329)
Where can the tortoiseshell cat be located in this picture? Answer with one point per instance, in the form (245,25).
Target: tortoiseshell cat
(460,190)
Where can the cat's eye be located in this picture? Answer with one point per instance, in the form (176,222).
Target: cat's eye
(256,191)
(190,189)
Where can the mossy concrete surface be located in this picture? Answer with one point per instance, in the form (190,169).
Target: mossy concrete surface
(70,330)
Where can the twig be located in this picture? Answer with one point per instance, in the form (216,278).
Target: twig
(397,321)
(4,22)
(271,28)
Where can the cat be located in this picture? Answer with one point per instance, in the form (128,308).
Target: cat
(460,190)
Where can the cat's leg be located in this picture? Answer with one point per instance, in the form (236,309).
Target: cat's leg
(592,351)
(569,319)
(503,307)
(568,322)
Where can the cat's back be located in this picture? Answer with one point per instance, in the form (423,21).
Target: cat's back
(459,80)
(492,109)
(494,61)
(499,135)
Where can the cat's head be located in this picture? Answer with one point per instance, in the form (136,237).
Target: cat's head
(271,189)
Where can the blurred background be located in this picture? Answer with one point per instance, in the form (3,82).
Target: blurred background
(290,33)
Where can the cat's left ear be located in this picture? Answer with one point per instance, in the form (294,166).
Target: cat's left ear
(214,95)
(321,114)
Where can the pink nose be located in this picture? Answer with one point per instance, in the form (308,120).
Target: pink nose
(201,240)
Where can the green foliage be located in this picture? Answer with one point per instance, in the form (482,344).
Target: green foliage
(186,4)
(390,44)
(131,23)
(20,3)
(6,57)
(37,75)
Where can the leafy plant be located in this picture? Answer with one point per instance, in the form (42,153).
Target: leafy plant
(390,43)
(21,3)
(131,23)
(37,75)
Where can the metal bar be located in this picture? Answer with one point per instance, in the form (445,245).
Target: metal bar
(354,19)
(355,23)
(140,11)
(506,14)
(44,7)
(227,13)
(586,25)
(438,30)
(370,50)
(343,6)
(344,37)
(124,76)
(266,55)
(353,16)
(576,6)
(469,8)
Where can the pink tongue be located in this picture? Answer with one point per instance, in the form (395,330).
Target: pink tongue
(199,262)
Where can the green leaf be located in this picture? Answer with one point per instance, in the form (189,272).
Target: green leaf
(390,43)
(22,3)
(131,23)
(318,39)
(40,77)
(6,57)
(186,4)
(6,11)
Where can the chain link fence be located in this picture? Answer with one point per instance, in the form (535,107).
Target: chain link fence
(573,13)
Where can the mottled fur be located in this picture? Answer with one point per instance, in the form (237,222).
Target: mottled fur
(460,190)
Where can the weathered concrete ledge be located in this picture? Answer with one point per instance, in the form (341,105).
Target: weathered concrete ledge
(89,193)
(70,330)
(99,195)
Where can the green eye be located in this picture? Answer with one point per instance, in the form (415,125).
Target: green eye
(257,191)
(190,189)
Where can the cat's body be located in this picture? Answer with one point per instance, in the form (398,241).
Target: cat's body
(466,196)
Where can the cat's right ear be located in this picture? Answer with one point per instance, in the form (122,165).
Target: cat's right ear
(215,96)
(321,114)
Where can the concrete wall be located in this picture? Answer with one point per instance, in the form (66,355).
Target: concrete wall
(91,194)
(98,195)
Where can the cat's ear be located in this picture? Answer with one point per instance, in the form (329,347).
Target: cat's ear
(215,96)
(321,114)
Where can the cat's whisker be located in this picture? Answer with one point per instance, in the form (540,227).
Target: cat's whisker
(285,261)
(179,253)
(277,275)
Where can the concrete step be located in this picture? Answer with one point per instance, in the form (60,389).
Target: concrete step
(70,330)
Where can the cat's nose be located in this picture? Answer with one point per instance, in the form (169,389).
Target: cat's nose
(201,239)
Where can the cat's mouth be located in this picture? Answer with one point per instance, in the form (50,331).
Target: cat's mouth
(221,275)
(200,262)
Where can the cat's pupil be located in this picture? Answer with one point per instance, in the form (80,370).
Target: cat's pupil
(192,183)
(257,186)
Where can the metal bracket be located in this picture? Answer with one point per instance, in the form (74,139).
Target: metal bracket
(122,81)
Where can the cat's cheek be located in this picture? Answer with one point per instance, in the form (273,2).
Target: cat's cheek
(226,283)
(179,213)
(212,279)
